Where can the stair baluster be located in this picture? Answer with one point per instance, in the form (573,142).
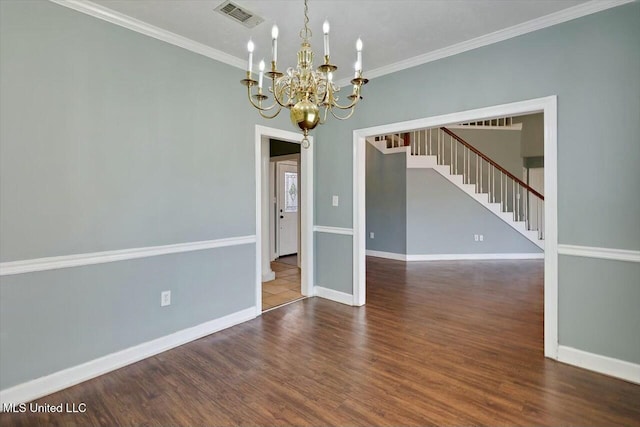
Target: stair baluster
(524,203)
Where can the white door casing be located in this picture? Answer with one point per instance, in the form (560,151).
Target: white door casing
(262,263)
(547,105)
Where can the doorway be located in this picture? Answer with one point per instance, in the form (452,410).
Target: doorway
(284,226)
(548,106)
(266,269)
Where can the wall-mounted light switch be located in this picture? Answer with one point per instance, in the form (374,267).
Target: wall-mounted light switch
(334,200)
(476,237)
(371,235)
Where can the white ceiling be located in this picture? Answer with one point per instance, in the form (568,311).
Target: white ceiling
(392,30)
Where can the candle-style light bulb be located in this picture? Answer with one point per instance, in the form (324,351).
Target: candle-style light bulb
(250,48)
(359,52)
(261,67)
(274,43)
(325,30)
(356,68)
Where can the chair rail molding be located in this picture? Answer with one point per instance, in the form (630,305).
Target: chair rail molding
(601,253)
(333,230)
(77,260)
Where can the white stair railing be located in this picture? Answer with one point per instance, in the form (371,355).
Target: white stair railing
(476,168)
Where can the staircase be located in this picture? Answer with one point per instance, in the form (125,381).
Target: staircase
(502,193)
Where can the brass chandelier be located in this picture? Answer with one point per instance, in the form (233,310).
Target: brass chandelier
(303,90)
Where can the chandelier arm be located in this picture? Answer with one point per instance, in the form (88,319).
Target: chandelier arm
(323,117)
(343,118)
(347,107)
(258,106)
(273,115)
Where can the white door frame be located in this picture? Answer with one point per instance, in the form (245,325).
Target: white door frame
(263,264)
(546,105)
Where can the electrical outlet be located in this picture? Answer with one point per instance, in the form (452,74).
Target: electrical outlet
(371,235)
(476,237)
(482,237)
(165,298)
(334,200)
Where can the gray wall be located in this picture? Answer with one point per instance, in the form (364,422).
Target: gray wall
(418,212)
(110,140)
(386,201)
(575,61)
(442,219)
(532,139)
(502,146)
(598,304)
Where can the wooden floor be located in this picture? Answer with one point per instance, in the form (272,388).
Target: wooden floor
(438,343)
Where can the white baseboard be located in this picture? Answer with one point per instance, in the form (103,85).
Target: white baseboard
(602,364)
(463,257)
(387,255)
(268,276)
(332,295)
(43,386)
(453,257)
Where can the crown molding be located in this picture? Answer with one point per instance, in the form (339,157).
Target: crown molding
(555,18)
(109,15)
(142,27)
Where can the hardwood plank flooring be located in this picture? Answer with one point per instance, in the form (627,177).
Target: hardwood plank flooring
(438,343)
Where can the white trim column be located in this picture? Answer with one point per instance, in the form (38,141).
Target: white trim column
(267,273)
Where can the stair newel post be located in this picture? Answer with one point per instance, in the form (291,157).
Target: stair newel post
(481,178)
(493,183)
(476,172)
(451,154)
(464,165)
(513,195)
(526,208)
(438,152)
(457,163)
(489,167)
(468,166)
(501,196)
(518,202)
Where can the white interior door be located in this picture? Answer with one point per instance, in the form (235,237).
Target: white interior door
(536,208)
(287,207)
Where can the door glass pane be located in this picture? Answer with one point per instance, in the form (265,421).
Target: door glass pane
(291,191)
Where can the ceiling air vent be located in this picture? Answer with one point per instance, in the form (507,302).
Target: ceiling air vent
(239,14)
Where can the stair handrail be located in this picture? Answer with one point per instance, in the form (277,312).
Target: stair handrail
(492,163)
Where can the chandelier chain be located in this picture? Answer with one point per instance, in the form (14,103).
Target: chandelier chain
(305,33)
